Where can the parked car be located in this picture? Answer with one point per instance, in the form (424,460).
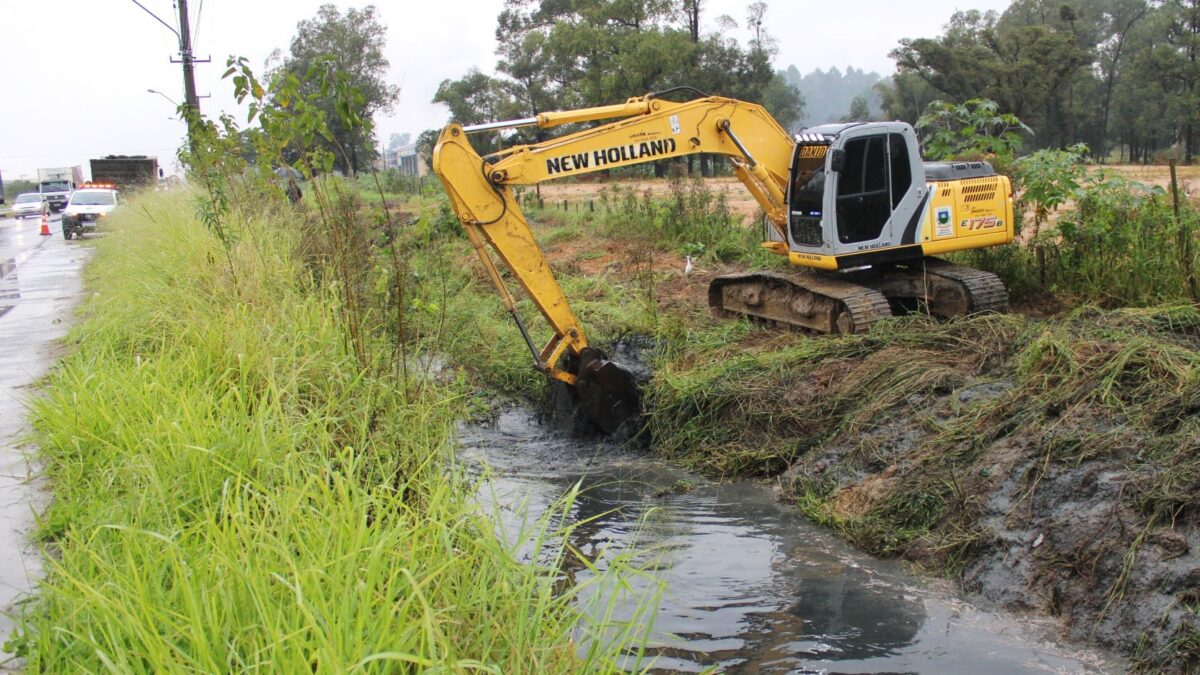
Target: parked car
(28,204)
(88,206)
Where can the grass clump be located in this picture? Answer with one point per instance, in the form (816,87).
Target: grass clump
(1093,236)
(236,489)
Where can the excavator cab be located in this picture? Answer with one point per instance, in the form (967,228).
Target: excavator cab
(860,200)
(855,189)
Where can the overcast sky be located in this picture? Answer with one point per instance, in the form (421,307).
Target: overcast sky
(75,79)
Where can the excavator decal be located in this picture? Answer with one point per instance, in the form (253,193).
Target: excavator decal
(606,156)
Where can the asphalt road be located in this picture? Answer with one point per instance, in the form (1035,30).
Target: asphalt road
(39,287)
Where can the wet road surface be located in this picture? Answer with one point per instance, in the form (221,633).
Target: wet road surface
(750,585)
(39,287)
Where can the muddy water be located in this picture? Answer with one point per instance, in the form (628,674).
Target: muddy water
(749,585)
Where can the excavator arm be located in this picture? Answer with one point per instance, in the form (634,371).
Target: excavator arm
(646,129)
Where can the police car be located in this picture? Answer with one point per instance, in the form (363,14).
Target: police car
(88,206)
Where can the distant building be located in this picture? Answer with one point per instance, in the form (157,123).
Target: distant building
(405,159)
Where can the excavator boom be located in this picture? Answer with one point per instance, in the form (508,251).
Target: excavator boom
(647,129)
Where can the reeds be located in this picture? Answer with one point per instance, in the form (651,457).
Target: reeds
(235,491)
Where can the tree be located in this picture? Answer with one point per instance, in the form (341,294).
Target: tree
(976,127)
(17,186)
(353,43)
(1028,60)
(425,142)
(1121,16)
(1176,63)
(478,98)
(783,100)
(1143,115)
(560,54)
(827,95)
(860,110)
(906,96)
(1111,74)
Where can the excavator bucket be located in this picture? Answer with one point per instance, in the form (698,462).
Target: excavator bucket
(607,393)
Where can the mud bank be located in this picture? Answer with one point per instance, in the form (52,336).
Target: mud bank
(1050,466)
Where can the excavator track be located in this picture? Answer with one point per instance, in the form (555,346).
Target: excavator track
(856,301)
(798,300)
(985,291)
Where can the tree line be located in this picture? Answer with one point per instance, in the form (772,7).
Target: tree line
(555,55)
(1121,76)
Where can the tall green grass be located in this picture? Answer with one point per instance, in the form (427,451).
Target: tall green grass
(1096,237)
(234,491)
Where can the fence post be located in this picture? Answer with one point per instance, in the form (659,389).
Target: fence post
(1185,239)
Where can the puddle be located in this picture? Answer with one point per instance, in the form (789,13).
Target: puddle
(750,586)
(9,290)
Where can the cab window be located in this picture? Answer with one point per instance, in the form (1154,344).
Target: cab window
(863,200)
(901,169)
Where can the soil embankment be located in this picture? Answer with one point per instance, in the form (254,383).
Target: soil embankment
(1050,465)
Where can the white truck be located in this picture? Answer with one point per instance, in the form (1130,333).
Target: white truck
(57,183)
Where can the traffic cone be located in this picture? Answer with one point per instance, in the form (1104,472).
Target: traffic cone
(45,224)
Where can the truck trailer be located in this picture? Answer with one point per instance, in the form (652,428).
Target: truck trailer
(126,172)
(57,183)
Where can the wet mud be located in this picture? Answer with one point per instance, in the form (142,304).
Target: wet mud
(1067,493)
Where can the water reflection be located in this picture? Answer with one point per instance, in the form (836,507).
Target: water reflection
(9,290)
(750,586)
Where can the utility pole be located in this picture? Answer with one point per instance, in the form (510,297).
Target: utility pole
(191,102)
(186,57)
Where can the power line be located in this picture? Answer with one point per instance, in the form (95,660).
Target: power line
(196,33)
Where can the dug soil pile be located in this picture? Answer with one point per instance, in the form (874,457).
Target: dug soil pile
(1051,465)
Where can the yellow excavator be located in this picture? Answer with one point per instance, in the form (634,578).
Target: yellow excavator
(854,203)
